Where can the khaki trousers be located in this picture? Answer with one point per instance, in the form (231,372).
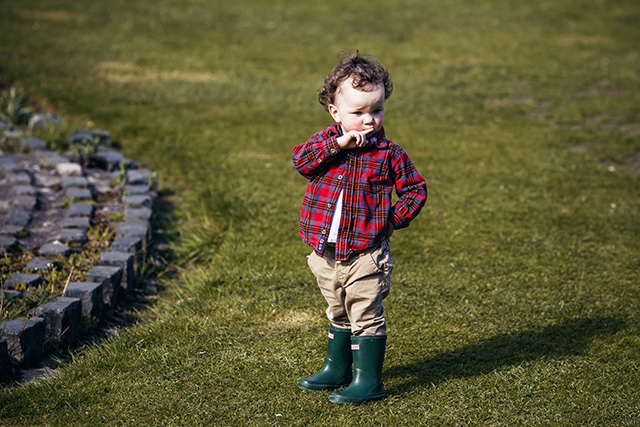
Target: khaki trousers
(354,289)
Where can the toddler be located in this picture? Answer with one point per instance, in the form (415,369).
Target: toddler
(347,219)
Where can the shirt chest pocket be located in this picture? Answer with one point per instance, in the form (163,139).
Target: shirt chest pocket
(374,175)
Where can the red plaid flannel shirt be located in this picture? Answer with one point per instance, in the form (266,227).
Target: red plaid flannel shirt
(368,176)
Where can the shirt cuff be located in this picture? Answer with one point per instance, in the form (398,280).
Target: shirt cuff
(331,146)
(398,221)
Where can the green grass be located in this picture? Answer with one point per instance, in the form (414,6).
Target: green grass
(515,296)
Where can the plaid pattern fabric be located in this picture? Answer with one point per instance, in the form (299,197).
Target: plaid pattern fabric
(368,176)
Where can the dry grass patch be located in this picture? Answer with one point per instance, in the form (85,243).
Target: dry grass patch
(127,72)
(54,16)
(295,318)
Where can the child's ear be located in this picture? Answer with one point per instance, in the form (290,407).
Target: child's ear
(333,110)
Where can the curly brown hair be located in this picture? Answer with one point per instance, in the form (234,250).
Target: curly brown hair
(365,70)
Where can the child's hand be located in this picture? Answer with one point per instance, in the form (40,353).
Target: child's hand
(353,139)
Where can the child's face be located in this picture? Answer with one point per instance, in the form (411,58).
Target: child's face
(358,110)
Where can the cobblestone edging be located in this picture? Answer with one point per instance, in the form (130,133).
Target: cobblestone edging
(34,187)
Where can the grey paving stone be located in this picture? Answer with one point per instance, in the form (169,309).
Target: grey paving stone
(27,278)
(27,203)
(25,339)
(46,180)
(8,294)
(33,143)
(74,181)
(73,235)
(137,214)
(110,277)
(7,244)
(80,209)
(137,190)
(25,190)
(14,134)
(42,120)
(40,264)
(9,165)
(52,158)
(19,178)
(101,188)
(103,136)
(90,295)
(78,193)
(69,169)
(55,249)
(11,230)
(138,201)
(76,222)
(109,160)
(135,229)
(138,177)
(132,245)
(79,136)
(22,218)
(124,260)
(62,318)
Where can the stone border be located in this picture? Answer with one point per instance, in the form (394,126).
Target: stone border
(33,185)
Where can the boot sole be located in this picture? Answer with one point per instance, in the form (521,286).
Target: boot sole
(319,387)
(341,400)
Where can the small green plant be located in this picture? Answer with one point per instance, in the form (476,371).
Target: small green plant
(85,150)
(55,136)
(22,234)
(101,235)
(88,323)
(119,217)
(66,202)
(31,298)
(122,175)
(56,278)
(12,107)
(10,145)
(152,179)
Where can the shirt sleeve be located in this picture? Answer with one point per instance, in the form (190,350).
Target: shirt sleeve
(411,188)
(311,157)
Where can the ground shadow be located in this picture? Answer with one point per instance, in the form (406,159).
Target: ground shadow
(153,264)
(569,338)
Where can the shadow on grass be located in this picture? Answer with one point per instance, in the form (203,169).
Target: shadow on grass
(153,265)
(569,338)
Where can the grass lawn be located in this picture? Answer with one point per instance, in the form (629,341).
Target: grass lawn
(515,299)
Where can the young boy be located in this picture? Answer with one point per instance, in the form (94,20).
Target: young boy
(347,218)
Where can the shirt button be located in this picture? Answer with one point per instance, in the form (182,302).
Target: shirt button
(339,176)
(324,231)
(329,205)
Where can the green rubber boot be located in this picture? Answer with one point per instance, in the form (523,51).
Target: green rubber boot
(336,371)
(368,355)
